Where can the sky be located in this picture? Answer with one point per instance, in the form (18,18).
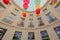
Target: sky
(32,5)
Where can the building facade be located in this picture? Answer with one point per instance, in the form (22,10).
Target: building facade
(44,27)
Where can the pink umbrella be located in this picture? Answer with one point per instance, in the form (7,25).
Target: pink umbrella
(26,1)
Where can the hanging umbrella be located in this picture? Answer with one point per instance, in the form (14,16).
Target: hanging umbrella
(6,1)
(26,1)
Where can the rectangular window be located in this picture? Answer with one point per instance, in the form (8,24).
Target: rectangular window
(53,2)
(16,10)
(31,14)
(40,21)
(10,3)
(17,35)
(31,24)
(21,22)
(2,32)
(10,18)
(31,36)
(58,7)
(50,17)
(57,30)
(1,7)
(45,10)
(44,35)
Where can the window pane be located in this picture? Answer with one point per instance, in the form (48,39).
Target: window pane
(31,14)
(1,7)
(44,35)
(50,17)
(16,10)
(2,32)
(58,7)
(57,30)
(53,2)
(40,21)
(21,22)
(45,10)
(31,36)
(17,35)
(31,24)
(9,19)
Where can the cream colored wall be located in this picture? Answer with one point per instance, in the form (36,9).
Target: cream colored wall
(11,28)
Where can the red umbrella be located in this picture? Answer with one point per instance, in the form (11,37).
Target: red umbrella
(25,5)
(37,11)
(24,14)
(6,1)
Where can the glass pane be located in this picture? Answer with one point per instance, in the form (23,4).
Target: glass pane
(53,2)
(50,17)
(31,36)
(2,32)
(21,22)
(31,24)
(45,10)
(9,19)
(44,35)
(57,30)
(17,35)
(58,7)
(1,7)
(16,10)
(40,22)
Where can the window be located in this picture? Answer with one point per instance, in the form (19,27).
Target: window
(53,2)
(2,32)
(31,19)
(21,22)
(58,7)
(17,35)
(44,35)
(9,3)
(31,36)
(10,18)
(57,30)
(50,17)
(16,10)
(45,10)
(40,21)
(1,7)
(31,24)
(31,14)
